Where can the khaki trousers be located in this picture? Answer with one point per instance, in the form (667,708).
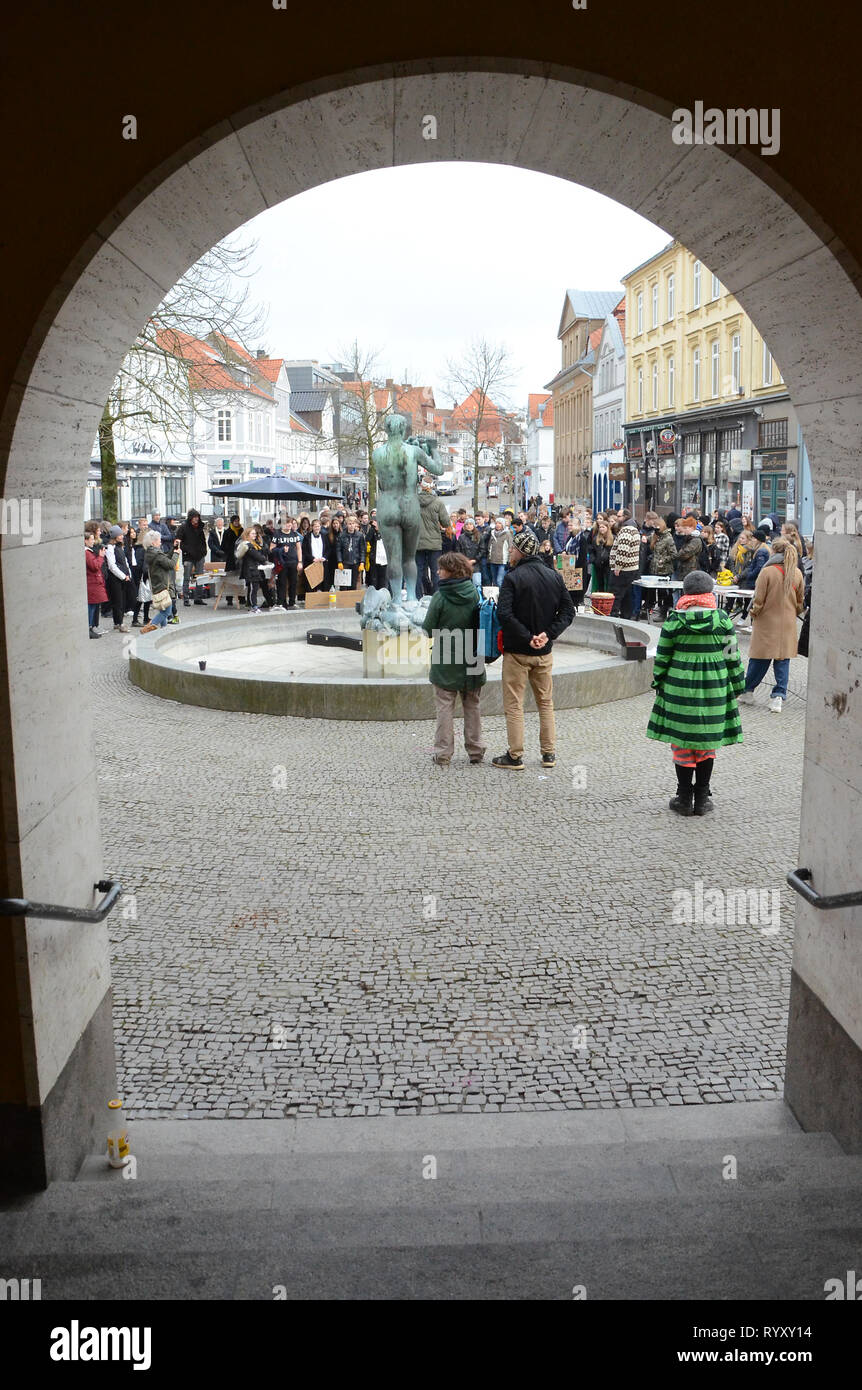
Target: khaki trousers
(444,735)
(517,670)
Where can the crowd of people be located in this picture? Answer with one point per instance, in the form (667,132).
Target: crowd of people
(282,558)
(698,675)
(144,568)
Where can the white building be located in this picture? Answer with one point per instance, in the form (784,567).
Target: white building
(609,403)
(242,425)
(539,462)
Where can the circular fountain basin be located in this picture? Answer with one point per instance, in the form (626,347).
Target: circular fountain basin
(263,664)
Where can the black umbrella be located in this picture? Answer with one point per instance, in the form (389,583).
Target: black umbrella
(271,488)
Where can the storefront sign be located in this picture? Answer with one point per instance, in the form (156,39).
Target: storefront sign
(667,436)
(617,471)
(747,507)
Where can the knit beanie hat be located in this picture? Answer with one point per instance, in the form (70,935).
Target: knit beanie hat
(526,541)
(697,582)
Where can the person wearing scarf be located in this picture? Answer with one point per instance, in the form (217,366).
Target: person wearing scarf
(697,676)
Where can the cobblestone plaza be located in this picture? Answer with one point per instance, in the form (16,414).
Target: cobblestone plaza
(318,921)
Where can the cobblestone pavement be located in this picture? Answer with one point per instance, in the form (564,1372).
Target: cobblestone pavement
(330,925)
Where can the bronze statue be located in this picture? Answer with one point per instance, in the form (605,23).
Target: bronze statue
(397,465)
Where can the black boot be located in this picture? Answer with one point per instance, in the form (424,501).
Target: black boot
(702,803)
(682,802)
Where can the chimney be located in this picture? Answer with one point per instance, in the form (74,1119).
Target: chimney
(389,383)
(260,352)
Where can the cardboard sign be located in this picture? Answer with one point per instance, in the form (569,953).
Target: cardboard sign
(314,573)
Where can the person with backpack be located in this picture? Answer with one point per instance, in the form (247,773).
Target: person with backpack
(457,665)
(534,608)
(690,555)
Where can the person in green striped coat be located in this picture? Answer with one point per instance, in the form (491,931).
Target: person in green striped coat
(697,676)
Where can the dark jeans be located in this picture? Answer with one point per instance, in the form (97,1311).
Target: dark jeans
(93,610)
(286,584)
(757,669)
(426,560)
(146,608)
(622,585)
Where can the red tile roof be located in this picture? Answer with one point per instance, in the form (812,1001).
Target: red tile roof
(534,400)
(270,366)
(207,370)
(465,415)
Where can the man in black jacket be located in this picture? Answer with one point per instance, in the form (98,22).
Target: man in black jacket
(534,608)
(193,545)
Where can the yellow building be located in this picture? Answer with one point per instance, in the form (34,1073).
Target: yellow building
(580,329)
(708,417)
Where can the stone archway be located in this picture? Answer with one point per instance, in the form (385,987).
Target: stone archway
(784,267)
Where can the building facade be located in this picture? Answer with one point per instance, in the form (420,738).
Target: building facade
(579,332)
(609,413)
(709,421)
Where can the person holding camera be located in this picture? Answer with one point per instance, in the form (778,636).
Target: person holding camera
(97,594)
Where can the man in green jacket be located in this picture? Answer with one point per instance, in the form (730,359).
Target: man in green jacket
(433,520)
(452,624)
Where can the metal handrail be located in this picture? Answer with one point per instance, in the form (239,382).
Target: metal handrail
(800,882)
(22,907)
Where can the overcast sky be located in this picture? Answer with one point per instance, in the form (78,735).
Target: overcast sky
(417,261)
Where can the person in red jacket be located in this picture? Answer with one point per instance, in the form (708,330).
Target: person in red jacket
(97,594)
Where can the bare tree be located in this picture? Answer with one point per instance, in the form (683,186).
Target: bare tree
(482,378)
(372,400)
(158,382)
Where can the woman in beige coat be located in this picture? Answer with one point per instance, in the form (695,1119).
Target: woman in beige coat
(778,601)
